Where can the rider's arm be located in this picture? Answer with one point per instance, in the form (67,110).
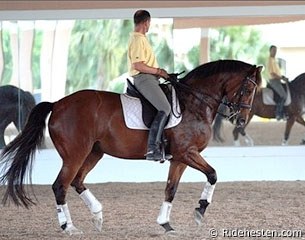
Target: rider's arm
(143,68)
(275,76)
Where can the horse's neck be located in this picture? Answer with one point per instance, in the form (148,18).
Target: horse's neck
(203,106)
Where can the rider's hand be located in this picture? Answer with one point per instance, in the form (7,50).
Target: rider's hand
(162,73)
(285,78)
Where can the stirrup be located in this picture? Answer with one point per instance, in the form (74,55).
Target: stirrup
(157,156)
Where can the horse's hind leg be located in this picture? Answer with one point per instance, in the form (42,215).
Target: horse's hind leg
(71,165)
(60,186)
(175,172)
(89,199)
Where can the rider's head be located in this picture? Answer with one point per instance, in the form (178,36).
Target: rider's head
(141,18)
(272,50)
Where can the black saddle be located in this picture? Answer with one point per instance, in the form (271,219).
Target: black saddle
(276,96)
(148,110)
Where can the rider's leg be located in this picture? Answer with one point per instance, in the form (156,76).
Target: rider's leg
(277,86)
(148,85)
(154,138)
(279,112)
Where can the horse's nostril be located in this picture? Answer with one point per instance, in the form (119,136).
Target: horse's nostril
(241,122)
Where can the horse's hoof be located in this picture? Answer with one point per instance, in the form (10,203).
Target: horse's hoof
(97,222)
(168,228)
(198,217)
(71,230)
(171,233)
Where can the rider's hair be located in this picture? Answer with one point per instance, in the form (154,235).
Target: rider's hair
(272,46)
(141,16)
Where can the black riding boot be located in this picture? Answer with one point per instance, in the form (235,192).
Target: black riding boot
(279,112)
(154,138)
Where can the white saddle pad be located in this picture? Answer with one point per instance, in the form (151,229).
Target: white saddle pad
(268,95)
(132,110)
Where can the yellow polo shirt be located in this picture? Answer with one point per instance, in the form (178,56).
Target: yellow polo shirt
(273,67)
(140,50)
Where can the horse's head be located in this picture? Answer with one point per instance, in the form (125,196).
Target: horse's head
(240,94)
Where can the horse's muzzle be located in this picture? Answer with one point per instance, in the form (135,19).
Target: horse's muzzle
(240,122)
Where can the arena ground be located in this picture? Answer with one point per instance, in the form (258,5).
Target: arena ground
(130,212)
(130,209)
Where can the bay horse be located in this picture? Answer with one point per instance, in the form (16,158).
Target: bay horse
(89,123)
(15,107)
(294,113)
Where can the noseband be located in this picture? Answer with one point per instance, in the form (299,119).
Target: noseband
(236,106)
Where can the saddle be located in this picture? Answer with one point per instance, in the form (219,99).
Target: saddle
(276,96)
(148,110)
(270,96)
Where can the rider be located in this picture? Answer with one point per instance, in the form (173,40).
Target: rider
(275,78)
(144,69)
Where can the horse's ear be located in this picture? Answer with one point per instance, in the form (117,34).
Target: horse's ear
(260,68)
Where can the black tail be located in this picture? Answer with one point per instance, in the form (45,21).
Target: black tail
(17,157)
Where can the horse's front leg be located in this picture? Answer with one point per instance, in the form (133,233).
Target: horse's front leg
(175,172)
(195,161)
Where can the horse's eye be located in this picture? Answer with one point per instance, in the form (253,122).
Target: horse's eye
(248,92)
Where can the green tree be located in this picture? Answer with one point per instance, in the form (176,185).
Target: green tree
(36,58)
(238,42)
(97,53)
(235,42)
(7,57)
(161,38)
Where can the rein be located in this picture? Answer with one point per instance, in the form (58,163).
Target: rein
(175,82)
(234,107)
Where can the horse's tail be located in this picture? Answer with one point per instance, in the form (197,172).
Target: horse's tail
(217,126)
(17,157)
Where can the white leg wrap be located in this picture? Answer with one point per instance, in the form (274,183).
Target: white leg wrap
(165,212)
(207,192)
(249,141)
(91,202)
(63,215)
(95,207)
(237,143)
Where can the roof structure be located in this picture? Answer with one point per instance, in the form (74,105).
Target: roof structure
(186,14)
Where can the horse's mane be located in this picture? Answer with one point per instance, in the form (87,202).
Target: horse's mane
(298,84)
(216,67)
(206,70)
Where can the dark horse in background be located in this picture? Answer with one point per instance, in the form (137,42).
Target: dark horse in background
(15,107)
(88,124)
(294,112)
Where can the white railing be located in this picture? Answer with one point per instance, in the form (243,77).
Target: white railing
(286,163)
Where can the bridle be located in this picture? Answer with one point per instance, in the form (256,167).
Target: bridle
(237,103)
